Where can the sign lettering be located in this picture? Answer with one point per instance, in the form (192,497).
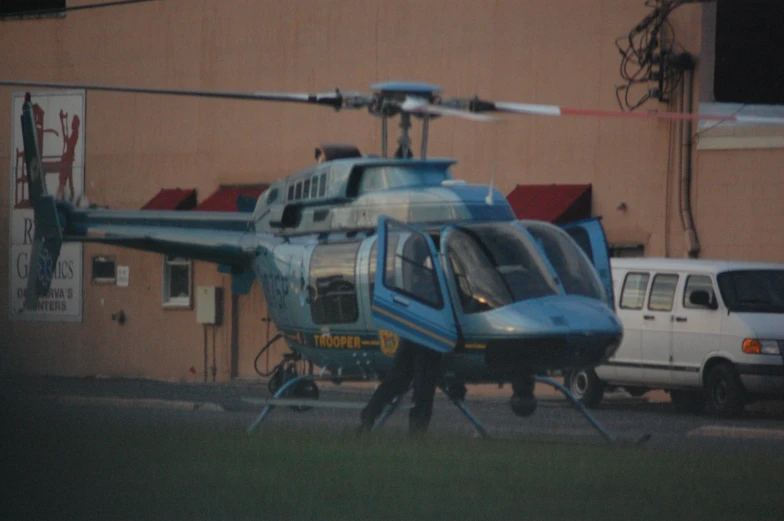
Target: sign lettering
(59,122)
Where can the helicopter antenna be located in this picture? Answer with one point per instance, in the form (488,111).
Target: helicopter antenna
(489,198)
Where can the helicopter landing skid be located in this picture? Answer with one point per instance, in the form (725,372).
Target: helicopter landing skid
(279,394)
(456,399)
(577,403)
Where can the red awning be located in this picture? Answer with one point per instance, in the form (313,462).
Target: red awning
(172,199)
(553,203)
(225,198)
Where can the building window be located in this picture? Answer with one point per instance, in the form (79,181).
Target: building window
(27,8)
(177,281)
(627,250)
(104,270)
(749,66)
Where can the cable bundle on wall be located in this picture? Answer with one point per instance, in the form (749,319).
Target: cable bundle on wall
(650,62)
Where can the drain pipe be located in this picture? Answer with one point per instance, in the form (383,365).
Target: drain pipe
(684,194)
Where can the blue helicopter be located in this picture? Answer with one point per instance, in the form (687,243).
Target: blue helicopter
(357,252)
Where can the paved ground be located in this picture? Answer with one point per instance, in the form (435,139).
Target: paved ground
(224,405)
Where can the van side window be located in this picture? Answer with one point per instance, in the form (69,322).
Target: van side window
(698,283)
(633,292)
(662,292)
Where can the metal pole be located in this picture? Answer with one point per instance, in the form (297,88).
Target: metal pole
(425,132)
(383,136)
(404,141)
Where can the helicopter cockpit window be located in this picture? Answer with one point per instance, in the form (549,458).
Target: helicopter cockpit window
(272,196)
(391,249)
(298,191)
(495,265)
(291,193)
(333,283)
(306,189)
(314,187)
(409,269)
(385,177)
(322,189)
(574,271)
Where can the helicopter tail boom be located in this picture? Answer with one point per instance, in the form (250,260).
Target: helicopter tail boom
(225,238)
(218,237)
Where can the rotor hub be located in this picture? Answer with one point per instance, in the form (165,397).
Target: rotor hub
(389,96)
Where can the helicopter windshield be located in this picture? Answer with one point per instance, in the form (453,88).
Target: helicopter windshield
(496,264)
(575,273)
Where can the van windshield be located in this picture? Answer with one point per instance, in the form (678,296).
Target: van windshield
(757,291)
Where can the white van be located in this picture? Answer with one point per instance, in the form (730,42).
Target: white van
(709,332)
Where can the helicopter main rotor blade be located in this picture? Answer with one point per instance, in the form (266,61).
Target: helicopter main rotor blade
(336,99)
(554,110)
(421,106)
(535,109)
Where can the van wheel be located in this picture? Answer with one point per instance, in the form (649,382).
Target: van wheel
(724,391)
(688,401)
(585,386)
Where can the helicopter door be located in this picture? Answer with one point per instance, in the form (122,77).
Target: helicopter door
(589,235)
(410,297)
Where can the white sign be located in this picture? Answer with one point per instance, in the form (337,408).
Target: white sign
(59,121)
(123,276)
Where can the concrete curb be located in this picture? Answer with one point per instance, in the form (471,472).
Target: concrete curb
(737,432)
(146,403)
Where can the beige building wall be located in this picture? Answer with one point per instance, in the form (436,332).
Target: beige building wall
(558,52)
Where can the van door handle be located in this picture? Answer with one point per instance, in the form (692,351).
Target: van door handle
(649,317)
(680,319)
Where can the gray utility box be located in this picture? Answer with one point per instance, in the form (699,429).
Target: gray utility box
(209,305)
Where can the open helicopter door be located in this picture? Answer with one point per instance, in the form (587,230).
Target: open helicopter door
(589,235)
(411,298)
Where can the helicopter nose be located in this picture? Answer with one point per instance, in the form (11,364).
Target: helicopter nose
(557,332)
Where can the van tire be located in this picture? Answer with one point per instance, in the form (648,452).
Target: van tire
(585,386)
(724,391)
(688,401)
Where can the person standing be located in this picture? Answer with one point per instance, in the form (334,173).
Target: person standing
(412,364)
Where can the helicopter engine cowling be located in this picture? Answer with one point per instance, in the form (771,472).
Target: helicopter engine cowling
(330,151)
